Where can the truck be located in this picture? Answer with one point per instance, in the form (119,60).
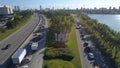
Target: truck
(18,56)
(34,46)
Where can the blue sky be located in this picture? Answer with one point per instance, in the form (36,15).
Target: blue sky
(24,4)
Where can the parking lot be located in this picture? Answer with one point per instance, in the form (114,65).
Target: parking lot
(91,53)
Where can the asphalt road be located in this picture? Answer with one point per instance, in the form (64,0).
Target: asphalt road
(37,56)
(86,63)
(17,38)
(37,59)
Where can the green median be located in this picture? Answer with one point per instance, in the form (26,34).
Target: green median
(72,44)
(61,54)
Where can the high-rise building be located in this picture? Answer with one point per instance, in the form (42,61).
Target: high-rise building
(52,8)
(110,8)
(40,8)
(5,11)
(18,8)
(15,8)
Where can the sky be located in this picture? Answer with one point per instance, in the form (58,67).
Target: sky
(72,4)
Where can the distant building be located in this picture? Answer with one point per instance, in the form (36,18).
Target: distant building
(52,8)
(16,8)
(110,8)
(40,8)
(6,11)
(47,9)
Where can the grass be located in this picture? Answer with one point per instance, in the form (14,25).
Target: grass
(10,31)
(48,20)
(72,44)
(59,64)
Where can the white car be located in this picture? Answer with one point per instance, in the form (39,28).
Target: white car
(25,66)
(91,55)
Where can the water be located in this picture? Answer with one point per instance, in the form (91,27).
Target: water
(113,21)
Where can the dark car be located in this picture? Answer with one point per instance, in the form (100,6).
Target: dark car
(6,47)
(85,44)
(82,36)
(87,49)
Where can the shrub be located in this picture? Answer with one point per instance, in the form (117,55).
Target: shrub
(60,45)
(59,53)
(59,64)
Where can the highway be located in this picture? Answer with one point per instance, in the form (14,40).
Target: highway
(16,39)
(86,63)
(37,59)
(37,56)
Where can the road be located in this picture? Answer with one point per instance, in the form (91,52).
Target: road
(86,63)
(37,59)
(16,39)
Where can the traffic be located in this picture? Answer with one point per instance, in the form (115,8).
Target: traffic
(23,56)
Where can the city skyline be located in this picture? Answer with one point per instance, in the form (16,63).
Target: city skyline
(31,4)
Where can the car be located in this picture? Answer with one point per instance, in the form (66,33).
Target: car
(91,55)
(6,47)
(85,44)
(24,66)
(77,27)
(87,50)
(82,35)
(28,58)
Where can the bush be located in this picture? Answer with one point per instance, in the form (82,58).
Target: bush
(2,29)
(59,64)
(60,45)
(59,53)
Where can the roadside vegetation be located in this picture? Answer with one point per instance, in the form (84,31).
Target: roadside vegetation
(105,39)
(20,19)
(61,54)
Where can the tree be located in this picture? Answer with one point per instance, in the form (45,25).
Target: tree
(10,24)
(0,19)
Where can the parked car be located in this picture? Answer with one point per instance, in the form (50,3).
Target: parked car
(91,56)
(82,36)
(28,58)
(85,44)
(34,46)
(87,50)
(25,66)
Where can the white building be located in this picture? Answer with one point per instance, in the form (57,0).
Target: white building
(5,11)
(60,37)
